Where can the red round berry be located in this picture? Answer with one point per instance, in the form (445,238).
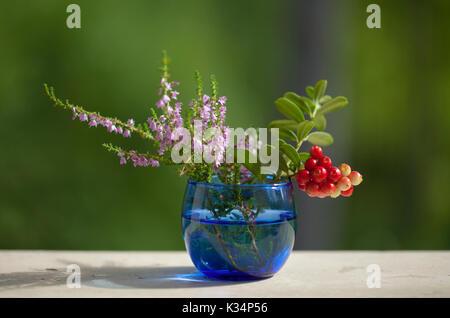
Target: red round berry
(348,192)
(312,189)
(319,174)
(316,152)
(327,188)
(355,177)
(310,164)
(302,187)
(345,169)
(302,177)
(344,184)
(334,174)
(325,162)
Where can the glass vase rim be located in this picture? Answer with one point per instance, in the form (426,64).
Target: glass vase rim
(280,184)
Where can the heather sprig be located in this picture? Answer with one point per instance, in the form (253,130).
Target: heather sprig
(94,119)
(138,159)
(163,121)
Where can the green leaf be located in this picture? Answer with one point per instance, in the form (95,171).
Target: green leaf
(288,134)
(289,109)
(303,156)
(319,89)
(291,153)
(320,138)
(283,164)
(283,123)
(299,101)
(332,105)
(310,91)
(325,99)
(320,122)
(304,128)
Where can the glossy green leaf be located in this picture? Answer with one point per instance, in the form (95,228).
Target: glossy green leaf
(299,101)
(303,156)
(283,164)
(320,138)
(310,91)
(325,99)
(291,153)
(283,123)
(304,128)
(332,105)
(289,109)
(288,134)
(319,89)
(320,122)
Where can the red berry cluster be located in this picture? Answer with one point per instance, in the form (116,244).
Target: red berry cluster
(320,179)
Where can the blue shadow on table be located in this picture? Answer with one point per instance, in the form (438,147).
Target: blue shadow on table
(116,277)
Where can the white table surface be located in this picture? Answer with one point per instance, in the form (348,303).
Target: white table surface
(171,274)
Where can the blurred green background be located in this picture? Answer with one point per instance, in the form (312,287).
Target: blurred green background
(59,189)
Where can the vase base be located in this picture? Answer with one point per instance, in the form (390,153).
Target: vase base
(233,276)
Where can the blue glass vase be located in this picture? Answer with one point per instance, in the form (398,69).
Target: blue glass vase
(239,232)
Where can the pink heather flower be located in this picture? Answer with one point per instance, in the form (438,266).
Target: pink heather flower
(222,100)
(204,113)
(165,99)
(162,80)
(175,83)
(106,123)
(112,128)
(130,122)
(169,110)
(92,123)
(127,133)
(159,91)
(205,99)
(142,161)
(160,103)
(178,106)
(119,130)
(191,103)
(153,162)
(222,111)
(123,160)
(168,135)
(152,124)
(168,86)
(83,117)
(120,154)
(74,116)
(175,94)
